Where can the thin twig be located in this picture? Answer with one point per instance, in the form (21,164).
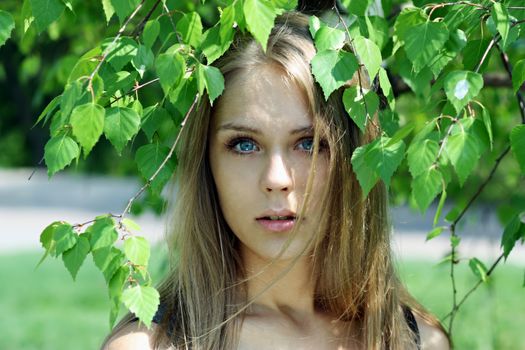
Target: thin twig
(434,6)
(482,186)
(172,149)
(521,103)
(350,42)
(110,48)
(138,30)
(519,96)
(473,288)
(453,262)
(136,88)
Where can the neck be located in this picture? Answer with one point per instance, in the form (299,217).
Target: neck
(284,286)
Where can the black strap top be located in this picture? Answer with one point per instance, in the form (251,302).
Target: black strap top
(409,318)
(412,324)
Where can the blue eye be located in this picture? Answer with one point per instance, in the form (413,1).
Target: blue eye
(242,146)
(307,144)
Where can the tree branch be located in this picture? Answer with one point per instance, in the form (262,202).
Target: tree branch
(110,47)
(172,149)
(138,30)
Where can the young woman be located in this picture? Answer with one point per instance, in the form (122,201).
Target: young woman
(274,246)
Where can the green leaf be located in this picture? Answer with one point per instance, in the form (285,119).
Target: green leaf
(424,41)
(426,186)
(109,11)
(358,108)
(369,54)
(227,23)
(183,96)
(389,121)
(87,121)
(154,119)
(190,29)
(421,155)
(74,257)
(366,176)
(46,12)
(108,259)
(386,87)
(517,145)
(454,241)
(357,7)
(7,24)
(376,160)
(48,111)
(488,125)
(143,301)
(453,46)
(150,33)
(377,29)
(137,250)
(122,81)
(130,224)
(260,16)
(518,75)
(115,288)
(440,204)
(511,234)
(149,158)
(328,38)
(401,134)
(143,60)
(473,52)
(102,233)
(122,53)
(461,87)
(46,239)
(211,78)
(332,69)
(500,16)
(64,237)
(479,269)
(59,152)
(170,69)
(385,158)
(314,23)
(214,45)
(71,94)
(434,233)
(123,8)
(121,125)
(406,21)
(419,82)
(463,150)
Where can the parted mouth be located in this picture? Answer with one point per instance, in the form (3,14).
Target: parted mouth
(277,215)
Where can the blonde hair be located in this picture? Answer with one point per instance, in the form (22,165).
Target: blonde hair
(352,262)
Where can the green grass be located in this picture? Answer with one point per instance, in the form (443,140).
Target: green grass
(493,316)
(45,309)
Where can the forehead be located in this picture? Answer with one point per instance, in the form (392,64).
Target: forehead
(262,97)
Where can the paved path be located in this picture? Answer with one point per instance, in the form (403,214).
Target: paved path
(26,207)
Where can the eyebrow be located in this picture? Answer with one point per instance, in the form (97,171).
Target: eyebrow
(245,128)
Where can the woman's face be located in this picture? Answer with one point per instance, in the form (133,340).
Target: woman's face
(260,141)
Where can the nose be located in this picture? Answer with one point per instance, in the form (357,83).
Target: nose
(278,176)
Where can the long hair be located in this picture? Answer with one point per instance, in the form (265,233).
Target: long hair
(355,279)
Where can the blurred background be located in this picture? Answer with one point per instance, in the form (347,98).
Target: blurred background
(45,309)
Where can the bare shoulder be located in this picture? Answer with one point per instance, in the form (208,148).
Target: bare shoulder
(133,336)
(432,337)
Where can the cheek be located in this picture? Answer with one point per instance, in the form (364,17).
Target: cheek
(234,185)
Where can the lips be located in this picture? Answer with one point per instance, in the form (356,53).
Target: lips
(277,221)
